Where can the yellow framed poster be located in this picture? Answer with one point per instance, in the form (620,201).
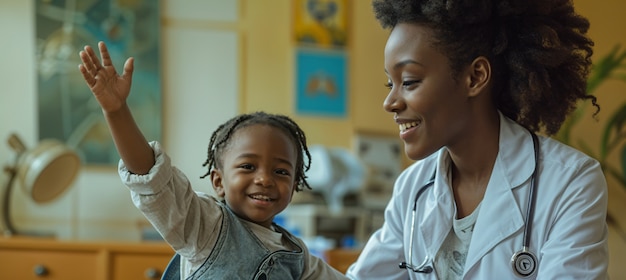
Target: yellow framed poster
(321,23)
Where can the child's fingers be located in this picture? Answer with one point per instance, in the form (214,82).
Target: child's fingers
(92,58)
(129,66)
(88,63)
(89,79)
(104,53)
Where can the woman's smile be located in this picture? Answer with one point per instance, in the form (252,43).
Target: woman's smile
(407,128)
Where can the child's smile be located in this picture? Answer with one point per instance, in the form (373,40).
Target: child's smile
(261,197)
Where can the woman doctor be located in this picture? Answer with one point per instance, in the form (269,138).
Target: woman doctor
(470,82)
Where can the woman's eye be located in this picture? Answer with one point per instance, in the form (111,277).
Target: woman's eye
(409,83)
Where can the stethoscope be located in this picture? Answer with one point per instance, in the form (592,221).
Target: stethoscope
(523,262)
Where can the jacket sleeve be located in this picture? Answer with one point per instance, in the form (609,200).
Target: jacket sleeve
(576,244)
(187,220)
(316,268)
(385,249)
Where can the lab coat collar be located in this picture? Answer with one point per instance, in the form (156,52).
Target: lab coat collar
(516,152)
(501,213)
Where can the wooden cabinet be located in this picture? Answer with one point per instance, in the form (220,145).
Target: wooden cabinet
(139,265)
(28,258)
(49,259)
(32,264)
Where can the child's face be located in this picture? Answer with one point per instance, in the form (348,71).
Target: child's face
(257,179)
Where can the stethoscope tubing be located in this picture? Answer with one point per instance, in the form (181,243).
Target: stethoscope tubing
(524,262)
(530,210)
(524,253)
(421,267)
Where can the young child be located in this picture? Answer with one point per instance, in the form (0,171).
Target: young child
(255,163)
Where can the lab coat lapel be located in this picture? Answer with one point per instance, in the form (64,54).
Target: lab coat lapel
(501,214)
(499,218)
(438,208)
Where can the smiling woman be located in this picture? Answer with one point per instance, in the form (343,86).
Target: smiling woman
(470,86)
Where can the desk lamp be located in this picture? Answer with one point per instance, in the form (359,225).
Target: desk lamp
(44,172)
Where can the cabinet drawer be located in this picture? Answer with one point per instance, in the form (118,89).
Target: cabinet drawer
(133,266)
(27,264)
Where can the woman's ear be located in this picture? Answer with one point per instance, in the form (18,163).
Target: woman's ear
(216,180)
(479,76)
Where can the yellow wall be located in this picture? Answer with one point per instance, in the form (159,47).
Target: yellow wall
(269,76)
(269,72)
(608,19)
(197,86)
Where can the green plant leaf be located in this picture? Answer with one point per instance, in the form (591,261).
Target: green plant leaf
(601,71)
(605,67)
(623,163)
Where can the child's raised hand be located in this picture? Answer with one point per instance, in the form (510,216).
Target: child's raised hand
(109,88)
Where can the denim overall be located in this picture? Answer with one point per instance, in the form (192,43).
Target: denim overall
(239,254)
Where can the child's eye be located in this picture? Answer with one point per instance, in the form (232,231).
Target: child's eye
(246,166)
(282,172)
(389,85)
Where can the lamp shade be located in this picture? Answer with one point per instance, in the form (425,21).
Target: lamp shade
(44,172)
(47,170)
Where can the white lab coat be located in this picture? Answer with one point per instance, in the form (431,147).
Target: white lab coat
(568,234)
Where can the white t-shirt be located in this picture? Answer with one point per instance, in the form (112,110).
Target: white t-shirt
(450,260)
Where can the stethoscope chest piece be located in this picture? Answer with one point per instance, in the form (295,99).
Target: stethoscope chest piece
(524,263)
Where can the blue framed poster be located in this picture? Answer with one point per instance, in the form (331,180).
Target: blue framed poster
(321,87)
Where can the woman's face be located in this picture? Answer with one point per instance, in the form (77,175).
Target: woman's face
(429,105)
(257,178)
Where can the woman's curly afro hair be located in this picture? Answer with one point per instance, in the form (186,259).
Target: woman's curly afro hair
(539,50)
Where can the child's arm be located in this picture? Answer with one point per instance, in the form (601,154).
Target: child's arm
(111,91)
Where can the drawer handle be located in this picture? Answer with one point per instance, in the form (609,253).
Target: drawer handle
(152,273)
(40,270)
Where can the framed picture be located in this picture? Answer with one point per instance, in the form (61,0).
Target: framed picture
(320,23)
(321,85)
(67,109)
